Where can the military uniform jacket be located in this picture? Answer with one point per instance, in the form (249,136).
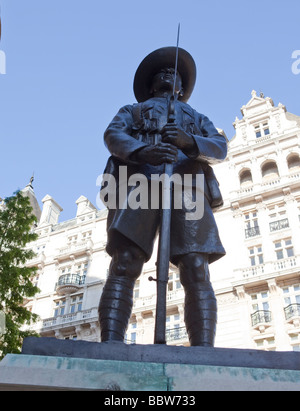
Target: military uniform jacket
(138,125)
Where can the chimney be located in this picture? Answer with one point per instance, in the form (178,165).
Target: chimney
(51,211)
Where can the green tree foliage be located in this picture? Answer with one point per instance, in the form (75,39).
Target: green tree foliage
(16,223)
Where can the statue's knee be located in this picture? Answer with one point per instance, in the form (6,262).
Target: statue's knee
(193,268)
(128,263)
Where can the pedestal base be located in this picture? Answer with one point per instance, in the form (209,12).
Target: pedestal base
(50,364)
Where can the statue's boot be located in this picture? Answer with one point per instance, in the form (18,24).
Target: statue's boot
(115,307)
(200,314)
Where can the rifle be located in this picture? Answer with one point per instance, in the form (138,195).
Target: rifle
(163,255)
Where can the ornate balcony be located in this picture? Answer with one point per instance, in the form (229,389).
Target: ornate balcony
(252,232)
(68,320)
(68,284)
(75,249)
(260,318)
(279,225)
(175,334)
(285,266)
(292,311)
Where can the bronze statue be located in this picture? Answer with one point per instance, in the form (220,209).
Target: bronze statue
(141,138)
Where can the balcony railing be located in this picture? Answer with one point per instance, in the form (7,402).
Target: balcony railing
(279,225)
(67,319)
(84,247)
(252,232)
(292,310)
(176,334)
(69,283)
(290,264)
(285,263)
(257,188)
(261,317)
(68,279)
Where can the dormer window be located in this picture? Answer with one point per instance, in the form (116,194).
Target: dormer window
(262,129)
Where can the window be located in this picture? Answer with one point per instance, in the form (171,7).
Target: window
(260,308)
(76,304)
(276,212)
(40,248)
(279,224)
(256,255)
(266,129)
(172,319)
(60,307)
(295,341)
(174,282)
(131,333)
(266,344)
(72,239)
(260,301)
(173,324)
(293,161)
(291,294)
(81,270)
(251,224)
(133,338)
(284,249)
(251,219)
(66,270)
(262,129)
(86,236)
(245,177)
(269,170)
(278,220)
(136,291)
(71,337)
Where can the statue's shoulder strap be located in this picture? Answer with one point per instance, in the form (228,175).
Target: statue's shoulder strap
(137,114)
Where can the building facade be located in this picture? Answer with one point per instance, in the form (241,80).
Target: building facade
(257,283)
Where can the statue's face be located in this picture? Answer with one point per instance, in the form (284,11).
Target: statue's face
(164,80)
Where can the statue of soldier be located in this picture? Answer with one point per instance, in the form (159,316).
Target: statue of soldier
(141,138)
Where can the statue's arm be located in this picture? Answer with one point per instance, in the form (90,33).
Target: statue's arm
(210,146)
(118,136)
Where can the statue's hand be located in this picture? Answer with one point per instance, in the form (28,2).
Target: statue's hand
(176,136)
(159,154)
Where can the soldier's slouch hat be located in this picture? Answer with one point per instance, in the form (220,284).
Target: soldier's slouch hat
(160,59)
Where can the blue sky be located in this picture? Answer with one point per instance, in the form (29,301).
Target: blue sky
(70,67)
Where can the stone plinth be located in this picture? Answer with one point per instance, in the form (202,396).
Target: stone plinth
(51,364)
(157,353)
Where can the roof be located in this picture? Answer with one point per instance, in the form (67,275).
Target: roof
(28,192)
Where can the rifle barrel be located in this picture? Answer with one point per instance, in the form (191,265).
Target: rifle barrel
(162,268)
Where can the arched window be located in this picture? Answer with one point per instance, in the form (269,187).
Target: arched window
(269,170)
(293,161)
(246,177)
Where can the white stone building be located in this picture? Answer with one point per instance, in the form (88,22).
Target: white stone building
(257,283)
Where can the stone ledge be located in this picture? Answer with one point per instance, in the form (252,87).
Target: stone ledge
(163,354)
(46,373)
(43,373)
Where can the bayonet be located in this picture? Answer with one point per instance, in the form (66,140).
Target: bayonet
(176,59)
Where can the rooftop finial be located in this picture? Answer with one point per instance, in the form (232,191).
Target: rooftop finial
(31,181)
